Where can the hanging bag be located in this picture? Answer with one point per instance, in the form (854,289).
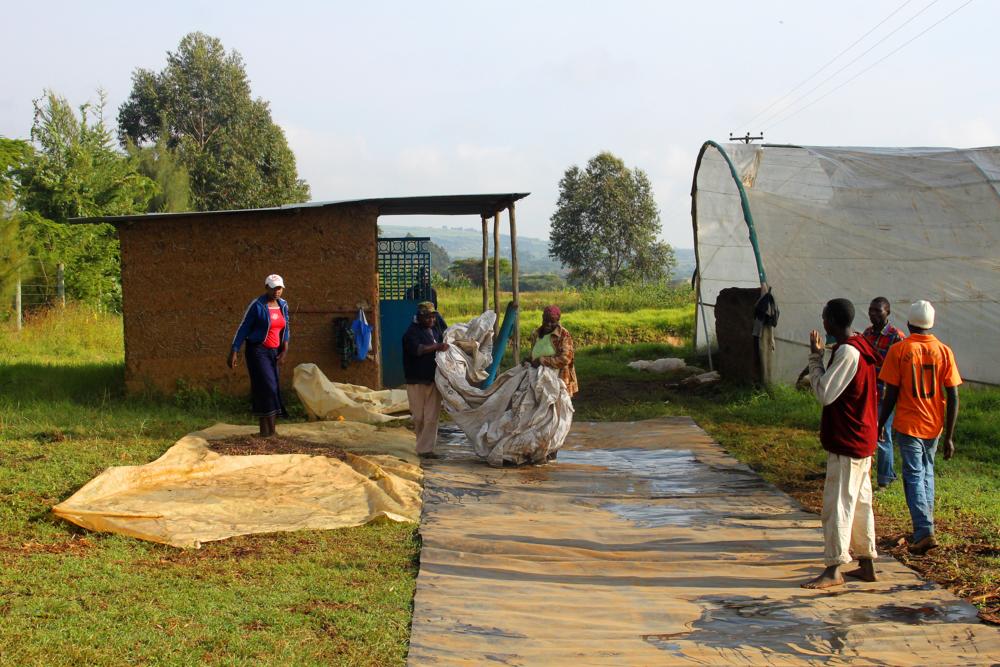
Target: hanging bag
(362,335)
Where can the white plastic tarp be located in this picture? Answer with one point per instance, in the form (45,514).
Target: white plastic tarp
(521,418)
(903,223)
(331,401)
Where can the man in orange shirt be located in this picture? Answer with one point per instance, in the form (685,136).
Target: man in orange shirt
(921,382)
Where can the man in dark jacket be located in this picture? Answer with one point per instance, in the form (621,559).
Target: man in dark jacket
(421,342)
(848,432)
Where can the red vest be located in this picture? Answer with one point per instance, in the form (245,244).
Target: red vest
(849,425)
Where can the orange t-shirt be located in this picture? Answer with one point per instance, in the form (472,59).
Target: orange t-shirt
(921,366)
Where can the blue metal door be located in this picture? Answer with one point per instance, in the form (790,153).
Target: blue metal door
(404,280)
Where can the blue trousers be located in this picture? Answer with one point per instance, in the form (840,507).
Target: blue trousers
(918,481)
(265,389)
(884,471)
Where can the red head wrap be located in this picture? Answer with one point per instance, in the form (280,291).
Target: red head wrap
(552,312)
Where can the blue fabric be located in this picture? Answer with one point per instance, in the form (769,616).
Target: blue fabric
(885,472)
(256,320)
(918,481)
(362,336)
(265,386)
(510,318)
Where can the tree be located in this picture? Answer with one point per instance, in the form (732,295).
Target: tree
(14,153)
(472,269)
(201,105)
(605,226)
(76,171)
(159,164)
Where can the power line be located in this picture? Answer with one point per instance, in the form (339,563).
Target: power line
(871,48)
(897,49)
(827,64)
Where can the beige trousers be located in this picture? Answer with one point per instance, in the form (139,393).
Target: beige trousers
(425,406)
(848,518)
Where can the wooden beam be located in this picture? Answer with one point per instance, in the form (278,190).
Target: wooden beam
(515,290)
(496,273)
(486,256)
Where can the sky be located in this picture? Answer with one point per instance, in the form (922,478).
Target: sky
(420,98)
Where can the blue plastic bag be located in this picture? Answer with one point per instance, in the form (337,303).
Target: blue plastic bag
(362,335)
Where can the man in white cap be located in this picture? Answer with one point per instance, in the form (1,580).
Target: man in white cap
(921,382)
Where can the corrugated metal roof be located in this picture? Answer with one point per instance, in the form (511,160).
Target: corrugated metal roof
(480,204)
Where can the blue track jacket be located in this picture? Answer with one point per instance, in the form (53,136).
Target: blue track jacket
(256,322)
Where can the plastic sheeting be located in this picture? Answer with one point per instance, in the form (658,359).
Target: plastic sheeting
(647,544)
(521,418)
(903,223)
(192,495)
(324,399)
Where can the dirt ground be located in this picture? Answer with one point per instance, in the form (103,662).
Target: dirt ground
(245,445)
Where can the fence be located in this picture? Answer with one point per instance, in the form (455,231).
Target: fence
(40,291)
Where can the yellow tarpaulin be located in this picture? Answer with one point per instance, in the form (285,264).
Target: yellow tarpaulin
(192,495)
(324,399)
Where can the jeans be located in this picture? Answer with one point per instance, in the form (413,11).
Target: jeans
(885,473)
(918,481)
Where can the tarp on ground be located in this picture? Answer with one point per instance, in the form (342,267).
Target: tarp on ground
(645,543)
(324,399)
(817,223)
(192,495)
(521,418)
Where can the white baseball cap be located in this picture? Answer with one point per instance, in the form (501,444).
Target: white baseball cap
(274,280)
(921,314)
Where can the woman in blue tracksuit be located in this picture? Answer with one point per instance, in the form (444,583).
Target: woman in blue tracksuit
(265,330)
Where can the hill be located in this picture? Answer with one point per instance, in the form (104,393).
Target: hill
(463,242)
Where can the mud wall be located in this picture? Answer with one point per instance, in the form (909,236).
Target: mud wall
(738,356)
(187,282)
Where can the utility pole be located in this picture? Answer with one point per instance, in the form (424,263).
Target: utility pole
(747,139)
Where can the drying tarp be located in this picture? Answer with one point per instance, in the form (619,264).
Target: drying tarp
(647,544)
(324,399)
(819,223)
(521,418)
(192,495)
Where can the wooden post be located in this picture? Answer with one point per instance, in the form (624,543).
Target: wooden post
(515,291)
(17,301)
(496,273)
(486,275)
(61,284)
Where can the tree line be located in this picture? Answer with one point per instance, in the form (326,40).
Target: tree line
(190,137)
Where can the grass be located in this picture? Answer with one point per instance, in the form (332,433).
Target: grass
(776,432)
(71,597)
(344,597)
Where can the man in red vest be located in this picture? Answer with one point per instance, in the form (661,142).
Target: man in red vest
(848,432)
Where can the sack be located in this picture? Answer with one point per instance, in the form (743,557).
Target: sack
(362,335)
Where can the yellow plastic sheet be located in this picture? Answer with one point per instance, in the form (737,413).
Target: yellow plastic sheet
(324,399)
(192,495)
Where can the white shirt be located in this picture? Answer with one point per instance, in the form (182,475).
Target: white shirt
(829,384)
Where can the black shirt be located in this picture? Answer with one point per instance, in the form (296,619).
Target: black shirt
(420,368)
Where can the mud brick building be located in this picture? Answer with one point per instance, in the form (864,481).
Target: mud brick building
(187,279)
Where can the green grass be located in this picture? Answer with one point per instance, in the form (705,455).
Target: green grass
(71,597)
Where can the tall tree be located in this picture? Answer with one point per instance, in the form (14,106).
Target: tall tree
(173,185)
(201,104)
(77,171)
(606,224)
(14,153)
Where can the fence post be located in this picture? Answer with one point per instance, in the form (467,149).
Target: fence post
(17,301)
(61,284)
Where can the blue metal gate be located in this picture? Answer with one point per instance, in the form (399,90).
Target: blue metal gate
(404,280)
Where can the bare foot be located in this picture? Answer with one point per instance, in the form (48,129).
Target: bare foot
(830,578)
(865,571)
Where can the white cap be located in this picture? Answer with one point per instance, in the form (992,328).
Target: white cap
(921,315)
(274,280)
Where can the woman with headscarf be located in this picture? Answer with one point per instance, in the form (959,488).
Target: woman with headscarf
(552,346)
(265,330)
